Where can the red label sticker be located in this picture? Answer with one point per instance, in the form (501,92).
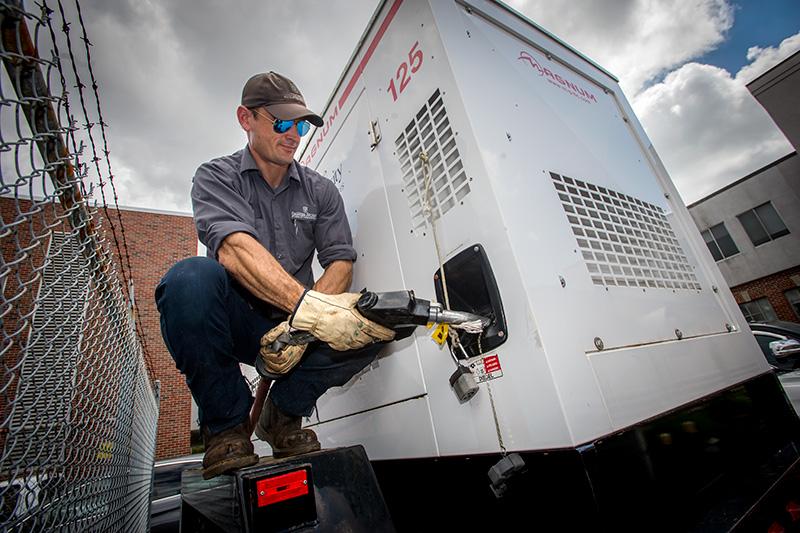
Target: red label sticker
(491,364)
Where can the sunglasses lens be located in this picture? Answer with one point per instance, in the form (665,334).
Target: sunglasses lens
(282,126)
(302,127)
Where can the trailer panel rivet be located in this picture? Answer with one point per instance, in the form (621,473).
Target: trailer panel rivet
(715,288)
(729,327)
(679,334)
(501,333)
(476,249)
(598,343)
(563,281)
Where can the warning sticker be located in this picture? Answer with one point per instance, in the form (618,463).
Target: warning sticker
(440,334)
(485,368)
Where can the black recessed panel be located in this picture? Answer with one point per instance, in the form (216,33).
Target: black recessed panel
(471,287)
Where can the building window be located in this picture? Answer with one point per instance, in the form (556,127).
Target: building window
(719,242)
(793,296)
(758,311)
(763,224)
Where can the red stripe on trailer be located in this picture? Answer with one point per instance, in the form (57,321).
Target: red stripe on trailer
(372,46)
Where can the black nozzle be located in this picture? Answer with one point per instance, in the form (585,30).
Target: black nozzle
(367,301)
(392,309)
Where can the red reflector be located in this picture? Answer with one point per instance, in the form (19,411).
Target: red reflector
(284,487)
(776,528)
(794,510)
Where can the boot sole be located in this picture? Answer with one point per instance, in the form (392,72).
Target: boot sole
(228,465)
(277,454)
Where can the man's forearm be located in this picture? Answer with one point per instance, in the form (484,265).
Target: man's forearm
(336,279)
(255,268)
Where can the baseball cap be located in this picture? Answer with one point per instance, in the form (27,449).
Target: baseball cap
(279,95)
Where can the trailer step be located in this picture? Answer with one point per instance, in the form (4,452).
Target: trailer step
(319,491)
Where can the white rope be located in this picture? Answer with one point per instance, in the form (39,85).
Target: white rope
(473,326)
(428,210)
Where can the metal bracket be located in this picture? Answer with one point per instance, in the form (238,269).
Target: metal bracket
(375,132)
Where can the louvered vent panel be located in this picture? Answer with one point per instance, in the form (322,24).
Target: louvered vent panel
(430,130)
(625,241)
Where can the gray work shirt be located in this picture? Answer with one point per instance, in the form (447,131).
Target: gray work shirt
(304,213)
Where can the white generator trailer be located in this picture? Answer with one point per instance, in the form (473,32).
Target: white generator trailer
(617,365)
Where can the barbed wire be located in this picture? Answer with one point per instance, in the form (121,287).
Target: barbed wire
(122,249)
(78,410)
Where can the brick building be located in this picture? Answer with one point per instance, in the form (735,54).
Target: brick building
(752,228)
(155,241)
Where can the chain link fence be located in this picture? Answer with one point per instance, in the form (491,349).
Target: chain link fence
(78,410)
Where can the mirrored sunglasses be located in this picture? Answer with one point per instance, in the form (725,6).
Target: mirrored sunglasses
(282,126)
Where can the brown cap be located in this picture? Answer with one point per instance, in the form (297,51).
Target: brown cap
(279,95)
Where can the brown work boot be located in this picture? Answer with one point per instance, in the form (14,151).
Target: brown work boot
(228,450)
(283,432)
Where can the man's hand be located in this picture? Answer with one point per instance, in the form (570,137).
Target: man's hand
(285,359)
(333,318)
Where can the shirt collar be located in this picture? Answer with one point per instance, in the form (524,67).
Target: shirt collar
(248,163)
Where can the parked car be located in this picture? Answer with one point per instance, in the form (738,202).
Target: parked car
(165,500)
(780,342)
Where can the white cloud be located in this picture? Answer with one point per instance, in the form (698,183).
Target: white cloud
(708,128)
(637,40)
(763,59)
(171,73)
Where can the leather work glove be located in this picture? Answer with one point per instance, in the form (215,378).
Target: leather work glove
(333,318)
(285,359)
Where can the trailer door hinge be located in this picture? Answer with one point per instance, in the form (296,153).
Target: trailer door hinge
(375,131)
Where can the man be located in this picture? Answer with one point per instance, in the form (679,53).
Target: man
(261,215)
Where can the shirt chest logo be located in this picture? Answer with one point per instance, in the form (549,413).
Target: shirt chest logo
(304,215)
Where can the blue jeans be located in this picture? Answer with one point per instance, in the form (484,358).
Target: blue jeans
(210,324)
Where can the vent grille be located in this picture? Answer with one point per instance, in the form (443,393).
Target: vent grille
(430,130)
(625,241)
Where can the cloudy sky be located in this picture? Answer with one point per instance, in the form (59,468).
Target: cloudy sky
(171,71)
